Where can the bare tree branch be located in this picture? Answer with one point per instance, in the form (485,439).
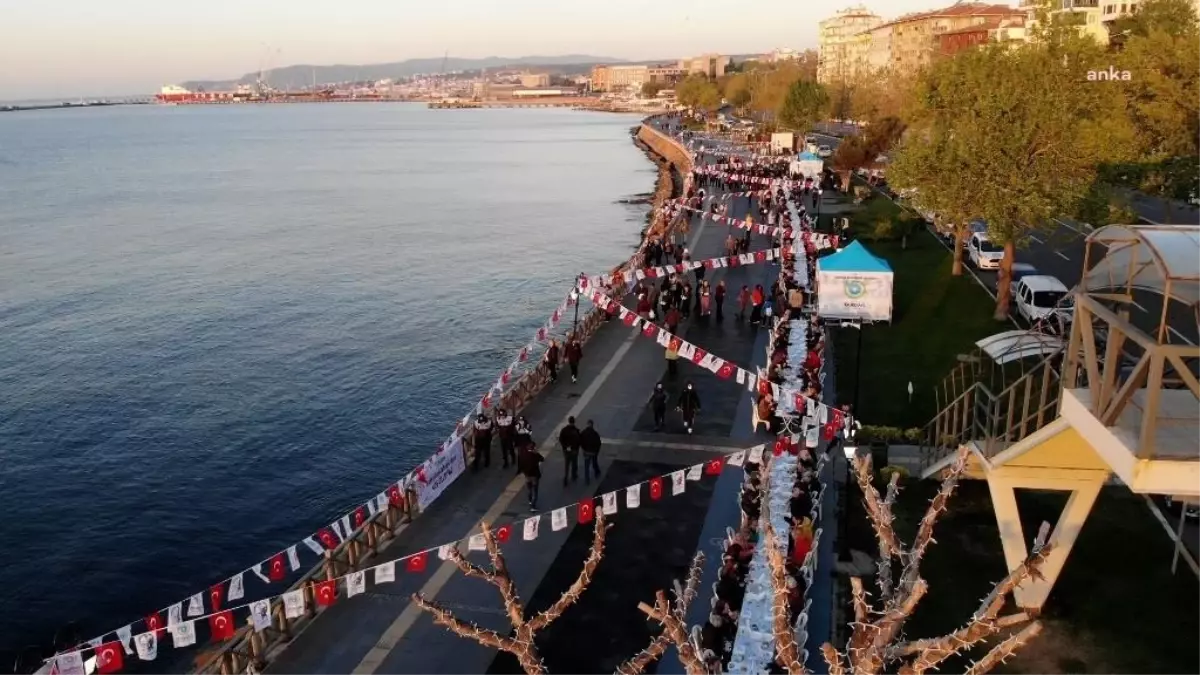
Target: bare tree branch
(443,616)
(1005,649)
(658,646)
(576,589)
(676,631)
(785,638)
(924,536)
(833,659)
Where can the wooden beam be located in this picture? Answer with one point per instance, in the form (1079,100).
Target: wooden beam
(1149,433)
(1090,362)
(1185,374)
(1109,414)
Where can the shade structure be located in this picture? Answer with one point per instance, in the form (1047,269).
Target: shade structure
(807,164)
(854,284)
(1159,259)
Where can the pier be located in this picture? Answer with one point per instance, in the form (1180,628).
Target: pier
(73,105)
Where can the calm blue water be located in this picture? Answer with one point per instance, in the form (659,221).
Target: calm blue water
(220,327)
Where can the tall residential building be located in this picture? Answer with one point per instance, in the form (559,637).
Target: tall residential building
(995,30)
(664,75)
(912,40)
(535,80)
(711,65)
(842,44)
(619,78)
(1085,15)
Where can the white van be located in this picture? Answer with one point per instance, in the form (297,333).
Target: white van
(1039,296)
(983,253)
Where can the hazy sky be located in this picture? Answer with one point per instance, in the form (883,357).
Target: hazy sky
(64,48)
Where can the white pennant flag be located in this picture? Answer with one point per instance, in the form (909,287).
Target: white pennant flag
(610,503)
(633,496)
(707,363)
(356,584)
(531,527)
(677,483)
(687,350)
(741,376)
(558,519)
(125,635)
(756,454)
(811,438)
(694,473)
(476,543)
(347,527)
(237,587)
(293,604)
(96,642)
(70,663)
(196,605)
(751,382)
(293,558)
(737,458)
(381,501)
(373,505)
(385,573)
(147,646)
(314,546)
(257,569)
(444,551)
(184,634)
(175,614)
(664,338)
(260,614)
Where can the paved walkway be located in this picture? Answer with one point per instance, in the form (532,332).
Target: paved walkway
(381,631)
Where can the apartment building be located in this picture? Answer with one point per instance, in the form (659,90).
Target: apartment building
(711,65)
(843,43)
(995,30)
(1085,15)
(619,78)
(912,40)
(535,80)
(664,75)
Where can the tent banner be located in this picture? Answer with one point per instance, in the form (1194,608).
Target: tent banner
(862,296)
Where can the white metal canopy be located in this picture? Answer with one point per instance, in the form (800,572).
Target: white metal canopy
(1015,345)
(1160,259)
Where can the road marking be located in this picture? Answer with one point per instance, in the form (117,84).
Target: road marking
(1078,230)
(394,633)
(672,446)
(1060,254)
(1036,239)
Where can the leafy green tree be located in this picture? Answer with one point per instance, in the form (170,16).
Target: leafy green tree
(736,89)
(883,134)
(805,104)
(697,91)
(852,154)
(651,89)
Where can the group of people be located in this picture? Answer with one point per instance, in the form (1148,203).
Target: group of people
(572,441)
(688,405)
(572,352)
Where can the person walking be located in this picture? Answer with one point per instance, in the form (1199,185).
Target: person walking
(689,405)
(523,432)
(574,354)
(589,440)
(507,434)
(719,300)
(483,442)
(529,463)
(756,304)
(658,405)
(743,301)
(672,361)
(569,439)
(552,359)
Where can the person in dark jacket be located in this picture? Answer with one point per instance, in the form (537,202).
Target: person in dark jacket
(689,405)
(529,463)
(523,432)
(570,440)
(552,358)
(589,440)
(507,434)
(658,404)
(483,442)
(719,300)
(574,354)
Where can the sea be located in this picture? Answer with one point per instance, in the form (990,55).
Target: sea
(221,327)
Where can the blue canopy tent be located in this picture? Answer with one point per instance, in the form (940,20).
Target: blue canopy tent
(854,285)
(807,164)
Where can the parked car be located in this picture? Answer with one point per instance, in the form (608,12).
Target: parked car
(1039,297)
(1020,271)
(824,151)
(983,253)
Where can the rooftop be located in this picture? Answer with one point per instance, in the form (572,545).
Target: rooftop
(960,9)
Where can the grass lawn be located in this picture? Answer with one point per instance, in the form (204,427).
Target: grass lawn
(935,317)
(1116,608)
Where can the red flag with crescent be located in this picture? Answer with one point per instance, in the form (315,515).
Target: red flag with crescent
(154,622)
(587,509)
(277,568)
(503,533)
(110,657)
(360,517)
(215,595)
(416,563)
(656,487)
(221,625)
(325,592)
(395,497)
(328,539)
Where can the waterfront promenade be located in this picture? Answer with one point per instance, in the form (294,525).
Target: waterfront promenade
(381,631)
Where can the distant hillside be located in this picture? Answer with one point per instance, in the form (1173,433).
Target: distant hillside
(295,77)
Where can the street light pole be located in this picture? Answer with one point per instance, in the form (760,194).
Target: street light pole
(857,368)
(849,450)
(575,301)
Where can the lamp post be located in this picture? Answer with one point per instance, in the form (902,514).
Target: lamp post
(849,450)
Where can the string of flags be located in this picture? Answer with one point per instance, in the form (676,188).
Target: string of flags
(662,271)
(222,622)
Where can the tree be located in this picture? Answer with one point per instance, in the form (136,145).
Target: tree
(521,645)
(985,147)
(805,104)
(651,89)
(852,154)
(697,91)
(884,133)
(673,619)
(736,89)
(876,644)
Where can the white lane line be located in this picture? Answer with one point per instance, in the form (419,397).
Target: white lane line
(1036,239)
(1061,255)
(1135,304)
(393,634)
(1084,230)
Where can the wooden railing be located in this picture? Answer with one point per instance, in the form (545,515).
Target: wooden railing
(249,649)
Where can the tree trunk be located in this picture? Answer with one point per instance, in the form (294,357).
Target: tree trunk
(1003,285)
(960,233)
(846,176)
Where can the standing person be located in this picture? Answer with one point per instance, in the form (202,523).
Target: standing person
(756,301)
(705,300)
(504,429)
(689,405)
(529,463)
(743,301)
(685,299)
(658,404)
(523,432)
(719,299)
(589,440)
(672,361)
(569,439)
(575,353)
(552,359)
(672,320)
(483,442)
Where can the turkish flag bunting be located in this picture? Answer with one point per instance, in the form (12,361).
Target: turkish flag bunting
(395,498)
(830,431)
(656,487)
(416,563)
(503,533)
(328,539)
(732,261)
(838,417)
(614,307)
(709,264)
(506,376)
(698,356)
(630,318)
(555,316)
(325,592)
(713,466)
(487,401)
(649,329)
(523,355)
(760,256)
(587,509)
(215,595)
(221,625)
(651,272)
(360,517)
(800,402)
(541,334)
(680,268)
(780,447)
(110,657)
(154,623)
(726,370)
(675,344)
(276,568)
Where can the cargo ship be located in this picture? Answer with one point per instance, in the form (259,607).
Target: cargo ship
(174,95)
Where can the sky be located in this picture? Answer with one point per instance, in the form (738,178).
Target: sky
(69,48)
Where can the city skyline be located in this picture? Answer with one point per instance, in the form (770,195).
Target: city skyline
(68,48)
